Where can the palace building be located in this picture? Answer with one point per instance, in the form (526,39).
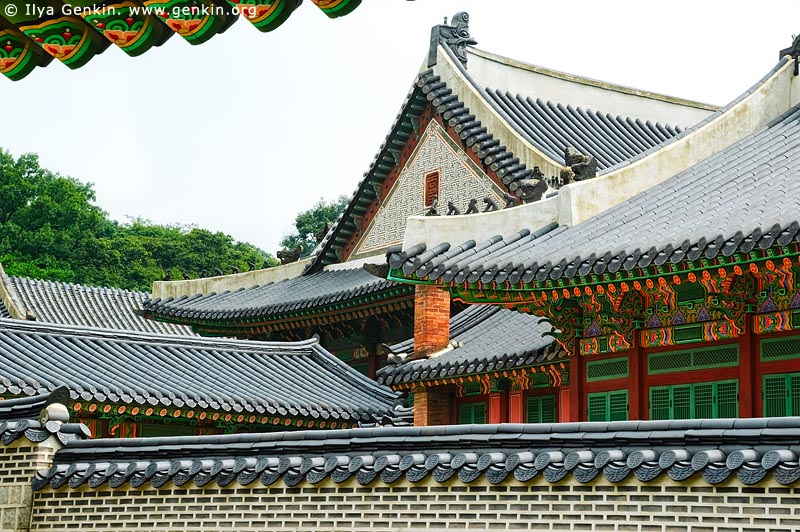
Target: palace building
(477,132)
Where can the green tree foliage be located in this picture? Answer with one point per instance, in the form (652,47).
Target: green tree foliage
(51,228)
(309,224)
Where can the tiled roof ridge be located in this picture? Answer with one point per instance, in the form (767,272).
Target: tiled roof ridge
(77,286)
(30,417)
(150,337)
(279,299)
(296,380)
(691,129)
(639,138)
(584,80)
(715,450)
(455,113)
(527,266)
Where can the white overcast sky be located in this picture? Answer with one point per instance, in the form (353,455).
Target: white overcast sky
(241,133)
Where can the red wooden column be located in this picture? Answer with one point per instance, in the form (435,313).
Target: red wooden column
(498,408)
(570,401)
(637,375)
(748,347)
(516,409)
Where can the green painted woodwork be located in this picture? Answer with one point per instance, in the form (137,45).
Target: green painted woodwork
(685,334)
(541,409)
(18,54)
(693,359)
(607,406)
(472,388)
(68,39)
(196,21)
(337,8)
(705,400)
(472,413)
(124,24)
(780,348)
(152,430)
(266,15)
(781,395)
(614,368)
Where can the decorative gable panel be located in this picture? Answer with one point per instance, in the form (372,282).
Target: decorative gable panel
(460,179)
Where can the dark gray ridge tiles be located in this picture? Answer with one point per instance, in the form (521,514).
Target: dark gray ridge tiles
(688,450)
(552,126)
(429,88)
(21,417)
(485,338)
(298,379)
(744,196)
(4,311)
(88,306)
(305,292)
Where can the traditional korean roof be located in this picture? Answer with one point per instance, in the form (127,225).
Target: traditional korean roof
(264,379)
(285,304)
(547,126)
(29,417)
(482,339)
(713,451)
(551,126)
(75,35)
(81,305)
(724,205)
(4,311)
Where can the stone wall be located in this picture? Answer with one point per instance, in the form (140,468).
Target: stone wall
(19,461)
(663,506)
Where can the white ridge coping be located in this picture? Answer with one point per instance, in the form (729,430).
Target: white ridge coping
(481,226)
(580,201)
(222,283)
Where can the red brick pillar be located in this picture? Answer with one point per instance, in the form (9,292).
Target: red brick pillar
(431,320)
(432,406)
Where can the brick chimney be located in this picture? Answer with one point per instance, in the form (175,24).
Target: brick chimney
(431,320)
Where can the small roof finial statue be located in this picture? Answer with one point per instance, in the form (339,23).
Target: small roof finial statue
(455,36)
(793,51)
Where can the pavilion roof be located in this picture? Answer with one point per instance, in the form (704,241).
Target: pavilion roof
(744,197)
(285,304)
(267,380)
(483,339)
(81,305)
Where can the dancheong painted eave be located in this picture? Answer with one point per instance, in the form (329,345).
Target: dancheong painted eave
(73,32)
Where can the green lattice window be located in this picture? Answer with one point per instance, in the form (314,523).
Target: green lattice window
(607,406)
(541,409)
(599,370)
(780,348)
(472,413)
(695,401)
(692,359)
(782,395)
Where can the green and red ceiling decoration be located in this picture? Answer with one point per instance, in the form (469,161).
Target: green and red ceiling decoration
(73,32)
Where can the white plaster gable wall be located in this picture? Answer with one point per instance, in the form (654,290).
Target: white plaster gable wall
(460,180)
(497,72)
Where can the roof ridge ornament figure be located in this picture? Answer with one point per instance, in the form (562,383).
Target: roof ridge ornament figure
(433,208)
(288,256)
(793,51)
(579,167)
(530,189)
(455,36)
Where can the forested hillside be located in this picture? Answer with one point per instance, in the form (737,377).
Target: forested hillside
(52,228)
